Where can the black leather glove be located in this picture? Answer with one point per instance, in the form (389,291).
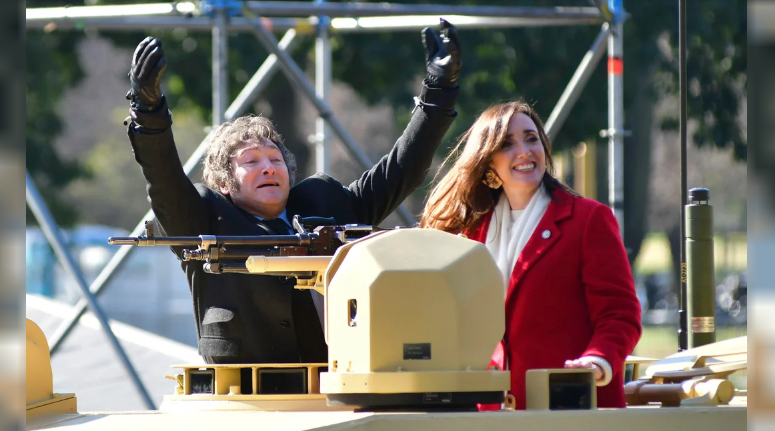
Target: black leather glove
(148,65)
(442,56)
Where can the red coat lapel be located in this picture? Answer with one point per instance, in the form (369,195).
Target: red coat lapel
(546,234)
(560,208)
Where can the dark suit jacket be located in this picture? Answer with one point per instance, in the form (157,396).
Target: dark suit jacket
(243,318)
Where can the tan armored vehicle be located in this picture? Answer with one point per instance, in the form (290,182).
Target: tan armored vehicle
(411,319)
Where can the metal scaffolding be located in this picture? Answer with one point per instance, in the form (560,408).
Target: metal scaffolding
(320,19)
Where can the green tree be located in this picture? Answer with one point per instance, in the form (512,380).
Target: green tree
(52,68)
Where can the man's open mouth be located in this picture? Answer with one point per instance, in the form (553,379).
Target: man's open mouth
(260,186)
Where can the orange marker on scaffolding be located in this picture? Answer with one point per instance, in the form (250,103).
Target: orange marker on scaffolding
(615,66)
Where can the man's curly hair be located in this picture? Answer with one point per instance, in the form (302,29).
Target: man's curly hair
(225,141)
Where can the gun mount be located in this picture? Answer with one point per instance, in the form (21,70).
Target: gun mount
(411,317)
(315,236)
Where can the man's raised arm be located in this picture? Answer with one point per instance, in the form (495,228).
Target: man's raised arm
(380,190)
(175,201)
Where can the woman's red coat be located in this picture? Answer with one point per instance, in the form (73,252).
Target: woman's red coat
(571,294)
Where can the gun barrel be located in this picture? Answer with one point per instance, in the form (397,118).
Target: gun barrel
(143,241)
(233,268)
(279,264)
(123,241)
(194,241)
(264,240)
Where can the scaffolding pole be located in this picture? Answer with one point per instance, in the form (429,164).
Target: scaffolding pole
(291,8)
(576,84)
(333,10)
(683,315)
(220,65)
(616,125)
(323,91)
(615,132)
(347,17)
(239,107)
(301,25)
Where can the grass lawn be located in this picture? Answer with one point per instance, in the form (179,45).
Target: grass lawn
(730,253)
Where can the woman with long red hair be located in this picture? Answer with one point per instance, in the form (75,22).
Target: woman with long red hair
(568,287)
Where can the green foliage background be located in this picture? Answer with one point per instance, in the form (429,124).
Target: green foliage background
(531,63)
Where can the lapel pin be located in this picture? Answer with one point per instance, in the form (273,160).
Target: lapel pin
(546,234)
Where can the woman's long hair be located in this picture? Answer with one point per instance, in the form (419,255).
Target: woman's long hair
(461,199)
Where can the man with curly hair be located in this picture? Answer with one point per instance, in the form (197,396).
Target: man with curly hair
(249,189)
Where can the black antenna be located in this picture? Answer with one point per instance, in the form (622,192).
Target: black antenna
(683,336)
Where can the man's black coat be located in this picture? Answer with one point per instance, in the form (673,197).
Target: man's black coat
(242,318)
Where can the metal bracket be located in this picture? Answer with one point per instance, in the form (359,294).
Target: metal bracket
(612,133)
(297,225)
(209,7)
(149,228)
(148,239)
(322,22)
(207,242)
(617,10)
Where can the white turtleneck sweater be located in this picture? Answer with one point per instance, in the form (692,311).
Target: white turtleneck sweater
(510,230)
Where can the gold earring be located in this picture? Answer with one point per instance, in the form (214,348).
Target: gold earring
(492,180)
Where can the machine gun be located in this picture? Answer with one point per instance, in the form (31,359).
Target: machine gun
(315,241)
